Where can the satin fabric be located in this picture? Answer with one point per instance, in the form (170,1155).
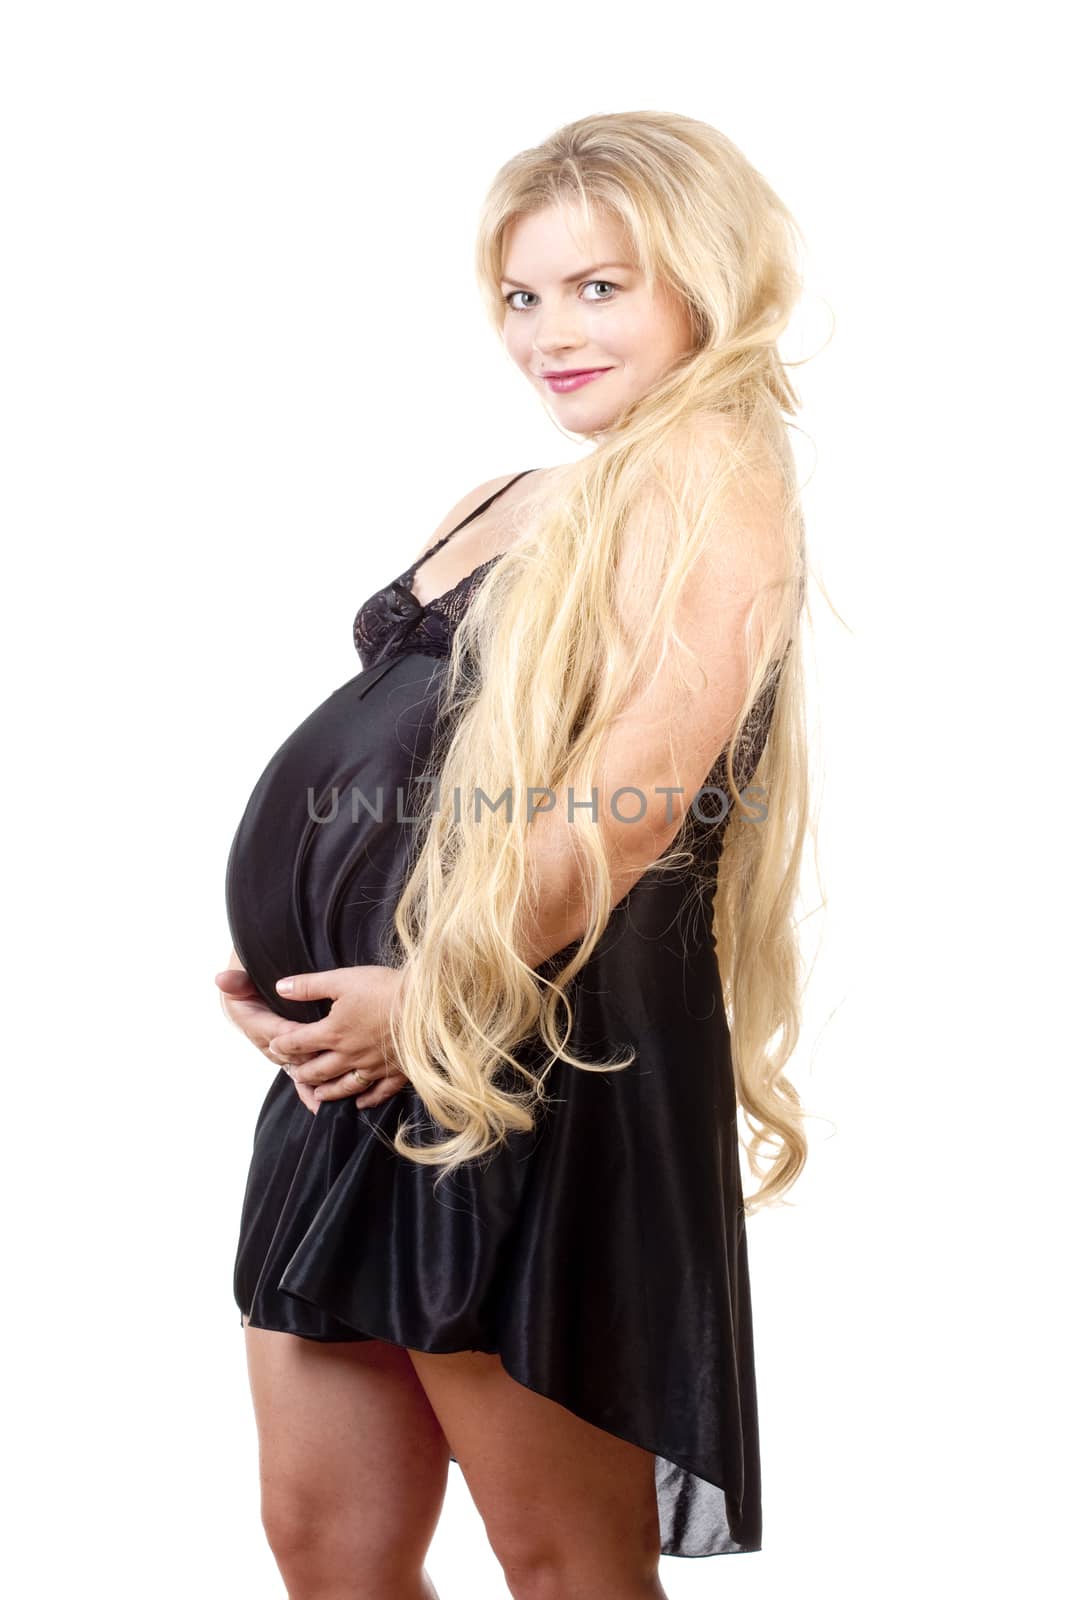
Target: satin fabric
(603,1256)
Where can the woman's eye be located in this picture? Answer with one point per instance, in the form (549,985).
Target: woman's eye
(594,283)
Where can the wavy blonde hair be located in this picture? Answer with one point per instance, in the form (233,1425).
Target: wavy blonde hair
(544,659)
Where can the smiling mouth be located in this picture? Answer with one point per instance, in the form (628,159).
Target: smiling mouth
(567,382)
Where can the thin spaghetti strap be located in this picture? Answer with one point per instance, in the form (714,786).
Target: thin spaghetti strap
(410,571)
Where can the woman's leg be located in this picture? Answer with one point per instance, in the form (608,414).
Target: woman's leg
(569,1509)
(353,1466)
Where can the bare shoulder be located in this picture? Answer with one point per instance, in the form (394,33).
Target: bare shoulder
(744,549)
(754,486)
(464,507)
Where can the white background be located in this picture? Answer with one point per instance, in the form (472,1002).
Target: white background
(244,374)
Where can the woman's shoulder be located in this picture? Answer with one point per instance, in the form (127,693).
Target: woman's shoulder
(462,508)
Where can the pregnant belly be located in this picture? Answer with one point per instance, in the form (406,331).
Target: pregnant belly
(325,845)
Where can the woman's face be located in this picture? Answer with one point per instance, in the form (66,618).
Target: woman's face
(574,302)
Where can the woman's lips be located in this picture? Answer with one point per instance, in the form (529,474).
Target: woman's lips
(574,380)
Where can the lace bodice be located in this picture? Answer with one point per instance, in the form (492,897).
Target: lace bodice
(393,622)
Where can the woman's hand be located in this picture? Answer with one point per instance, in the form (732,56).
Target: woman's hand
(348,1053)
(255,1019)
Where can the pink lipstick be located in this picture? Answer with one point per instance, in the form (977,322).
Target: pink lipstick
(564,382)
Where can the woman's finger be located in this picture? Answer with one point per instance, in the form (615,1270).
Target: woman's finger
(347,1086)
(325,1067)
(299,1043)
(236,984)
(316,985)
(383,1090)
(307,1097)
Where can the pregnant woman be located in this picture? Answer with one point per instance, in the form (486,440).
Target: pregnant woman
(512,914)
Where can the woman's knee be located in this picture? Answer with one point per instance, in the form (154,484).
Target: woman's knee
(544,1557)
(316,1550)
(593,1576)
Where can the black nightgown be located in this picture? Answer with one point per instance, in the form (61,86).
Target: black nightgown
(603,1256)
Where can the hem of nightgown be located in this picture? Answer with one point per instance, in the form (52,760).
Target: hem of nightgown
(359,1336)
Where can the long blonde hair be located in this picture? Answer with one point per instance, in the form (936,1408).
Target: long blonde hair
(542,660)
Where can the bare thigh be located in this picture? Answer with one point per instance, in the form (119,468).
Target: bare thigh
(353,1462)
(568,1508)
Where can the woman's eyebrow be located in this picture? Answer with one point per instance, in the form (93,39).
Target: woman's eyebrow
(586,272)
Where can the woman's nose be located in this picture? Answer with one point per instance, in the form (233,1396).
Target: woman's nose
(558,329)
(556,336)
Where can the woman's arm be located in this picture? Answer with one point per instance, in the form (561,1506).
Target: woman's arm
(668,736)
